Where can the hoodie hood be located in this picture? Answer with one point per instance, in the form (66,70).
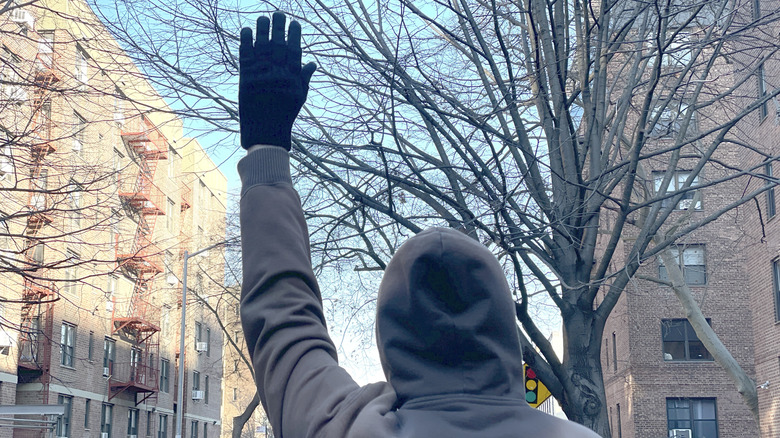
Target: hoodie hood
(445,320)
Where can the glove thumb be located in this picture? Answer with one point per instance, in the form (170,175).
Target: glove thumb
(306,73)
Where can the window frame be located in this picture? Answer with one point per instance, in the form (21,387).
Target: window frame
(132,422)
(206,389)
(195,380)
(676,185)
(695,423)
(79,127)
(776,287)
(62,427)
(771,206)
(106,418)
(162,427)
(87,409)
(669,120)
(165,369)
(109,353)
(761,92)
(680,256)
(67,344)
(687,330)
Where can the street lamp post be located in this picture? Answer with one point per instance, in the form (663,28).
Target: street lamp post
(180,389)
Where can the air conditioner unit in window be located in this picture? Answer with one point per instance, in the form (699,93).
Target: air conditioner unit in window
(680,433)
(106,371)
(23,16)
(201,346)
(104,435)
(132,436)
(197,394)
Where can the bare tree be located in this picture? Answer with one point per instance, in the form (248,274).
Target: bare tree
(549,131)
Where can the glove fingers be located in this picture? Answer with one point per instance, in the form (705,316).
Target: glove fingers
(262,46)
(246,48)
(294,47)
(263,24)
(278,45)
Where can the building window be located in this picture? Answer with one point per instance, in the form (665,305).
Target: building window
(5,235)
(67,344)
(148,423)
(46,46)
(208,342)
(171,168)
(132,422)
(135,361)
(614,352)
(79,125)
(6,161)
(106,416)
(206,390)
(675,185)
(91,345)
(776,287)
(75,195)
(235,365)
(38,250)
(109,356)
(195,380)
(194,429)
(763,110)
(71,272)
(82,72)
(165,367)
(162,428)
(119,106)
(205,430)
(63,422)
(87,404)
(770,192)
(235,394)
(170,208)
(691,261)
(756,9)
(670,119)
(680,341)
(697,415)
(198,333)
(619,425)
(678,53)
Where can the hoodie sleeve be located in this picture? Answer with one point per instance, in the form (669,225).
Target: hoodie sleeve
(296,368)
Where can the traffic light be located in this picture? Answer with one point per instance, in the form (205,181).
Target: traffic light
(531,386)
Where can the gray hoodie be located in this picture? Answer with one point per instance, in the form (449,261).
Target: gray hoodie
(446,332)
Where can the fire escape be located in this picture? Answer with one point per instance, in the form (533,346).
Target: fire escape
(142,261)
(39,293)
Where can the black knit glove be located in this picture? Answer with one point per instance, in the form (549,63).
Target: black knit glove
(272,86)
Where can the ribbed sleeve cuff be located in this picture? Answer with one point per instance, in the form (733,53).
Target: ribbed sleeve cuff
(264,165)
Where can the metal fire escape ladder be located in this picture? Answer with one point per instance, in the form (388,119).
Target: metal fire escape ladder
(37,322)
(144,262)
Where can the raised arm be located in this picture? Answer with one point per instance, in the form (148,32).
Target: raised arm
(295,362)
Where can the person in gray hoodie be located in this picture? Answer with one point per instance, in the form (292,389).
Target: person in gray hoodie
(445,324)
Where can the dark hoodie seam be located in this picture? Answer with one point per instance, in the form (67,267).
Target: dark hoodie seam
(504,400)
(450,321)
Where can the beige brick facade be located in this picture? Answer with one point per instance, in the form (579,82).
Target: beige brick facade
(98,173)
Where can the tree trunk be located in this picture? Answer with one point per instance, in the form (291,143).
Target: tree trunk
(585,400)
(240,421)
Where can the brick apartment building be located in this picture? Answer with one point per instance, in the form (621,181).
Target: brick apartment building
(660,380)
(101,195)
(238,384)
